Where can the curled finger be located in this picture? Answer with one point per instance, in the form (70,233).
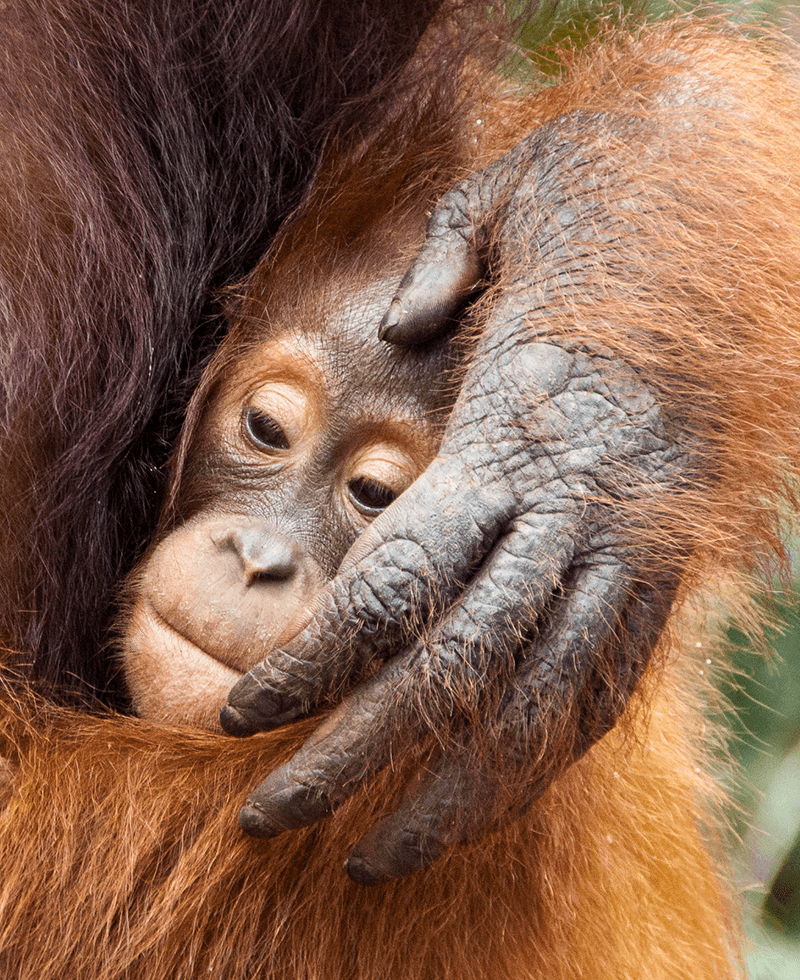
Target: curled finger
(570,690)
(398,575)
(452,674)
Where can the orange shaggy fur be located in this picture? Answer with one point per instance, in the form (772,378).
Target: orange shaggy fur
(134,869)
(119,847)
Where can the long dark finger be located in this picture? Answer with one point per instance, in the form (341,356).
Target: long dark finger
(449,675)
(469,792)
(452,261)
(354,742)
(450,805)
(448,268)
(402,569)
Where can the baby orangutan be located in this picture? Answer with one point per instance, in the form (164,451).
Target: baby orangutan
(306,428)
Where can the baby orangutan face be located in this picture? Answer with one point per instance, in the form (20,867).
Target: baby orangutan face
(305,428)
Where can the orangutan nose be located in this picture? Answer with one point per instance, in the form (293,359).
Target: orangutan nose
(263,555)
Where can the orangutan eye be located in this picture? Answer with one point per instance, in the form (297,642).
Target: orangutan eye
(370,496)
(263,431)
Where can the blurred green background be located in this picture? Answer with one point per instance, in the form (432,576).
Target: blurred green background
(765,725)
(764,693)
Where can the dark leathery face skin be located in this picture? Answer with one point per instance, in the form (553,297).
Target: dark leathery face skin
(299,447)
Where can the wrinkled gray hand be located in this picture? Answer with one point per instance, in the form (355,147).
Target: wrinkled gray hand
(505,601)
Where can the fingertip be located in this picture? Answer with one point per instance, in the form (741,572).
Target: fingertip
(256,822)
(432,294)
(391,318)
(234,723)
(280,803)
(406,328)
(253,706)
(362,872)
(389,852)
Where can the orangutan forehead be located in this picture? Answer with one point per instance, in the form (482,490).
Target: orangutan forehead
(348,365)
(342,313)
(328,335)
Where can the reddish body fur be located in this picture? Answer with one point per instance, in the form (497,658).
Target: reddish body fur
(135,870)
(119,845)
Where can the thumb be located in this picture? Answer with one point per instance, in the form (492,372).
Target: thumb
(447,270)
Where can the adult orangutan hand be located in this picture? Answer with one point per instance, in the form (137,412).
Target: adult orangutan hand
(507,601)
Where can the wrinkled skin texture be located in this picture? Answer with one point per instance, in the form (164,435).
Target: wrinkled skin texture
(305,430)
(559,614)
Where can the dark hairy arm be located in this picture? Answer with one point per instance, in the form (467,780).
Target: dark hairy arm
(605,444)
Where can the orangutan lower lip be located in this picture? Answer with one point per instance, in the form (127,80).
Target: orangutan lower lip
(177,640)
